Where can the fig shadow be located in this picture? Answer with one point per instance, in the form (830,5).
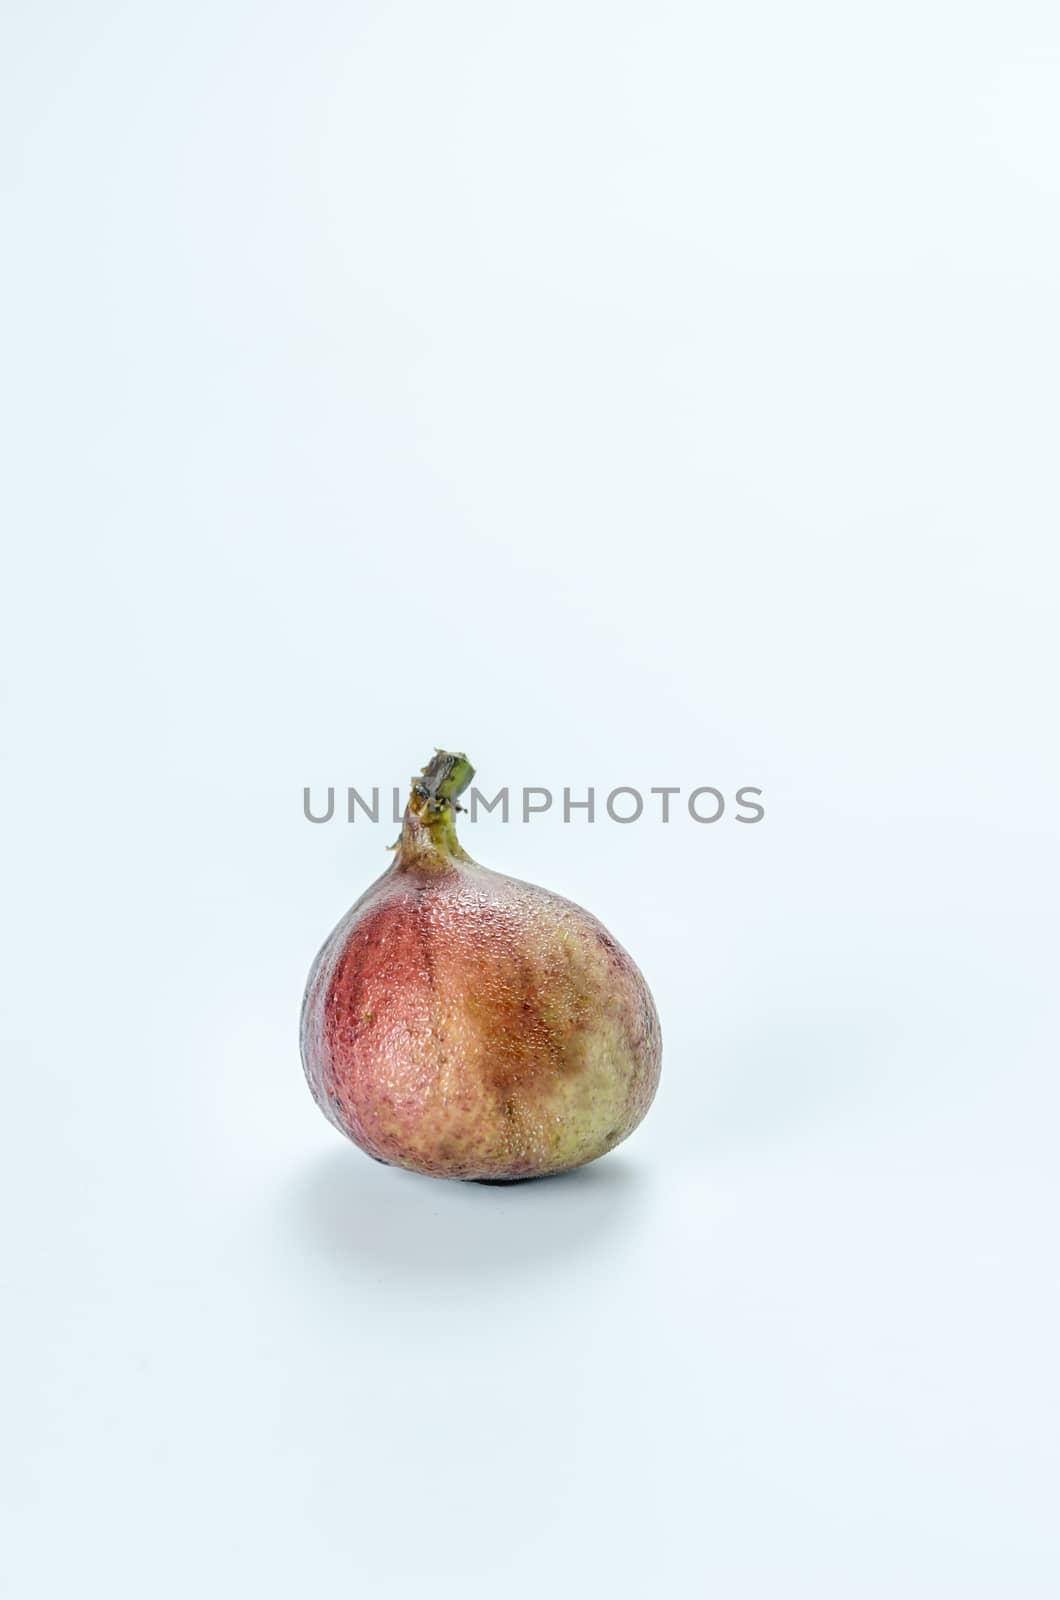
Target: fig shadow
(352,1212)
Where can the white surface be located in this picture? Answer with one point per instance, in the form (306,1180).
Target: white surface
(626,394)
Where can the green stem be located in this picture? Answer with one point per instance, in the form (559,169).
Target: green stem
(428,832)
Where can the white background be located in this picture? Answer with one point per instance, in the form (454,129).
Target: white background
(646,393)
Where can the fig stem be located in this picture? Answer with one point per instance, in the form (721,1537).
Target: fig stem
(428,832)
(444,777)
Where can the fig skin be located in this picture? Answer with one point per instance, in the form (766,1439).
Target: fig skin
(462,1024)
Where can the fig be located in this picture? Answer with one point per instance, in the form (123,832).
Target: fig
(463,1024)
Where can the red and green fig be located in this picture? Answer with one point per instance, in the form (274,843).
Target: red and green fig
(465,1025)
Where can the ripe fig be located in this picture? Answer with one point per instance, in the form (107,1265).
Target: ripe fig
(465,1025)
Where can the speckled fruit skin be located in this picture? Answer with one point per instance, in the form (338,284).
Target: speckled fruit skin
(465,1025)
